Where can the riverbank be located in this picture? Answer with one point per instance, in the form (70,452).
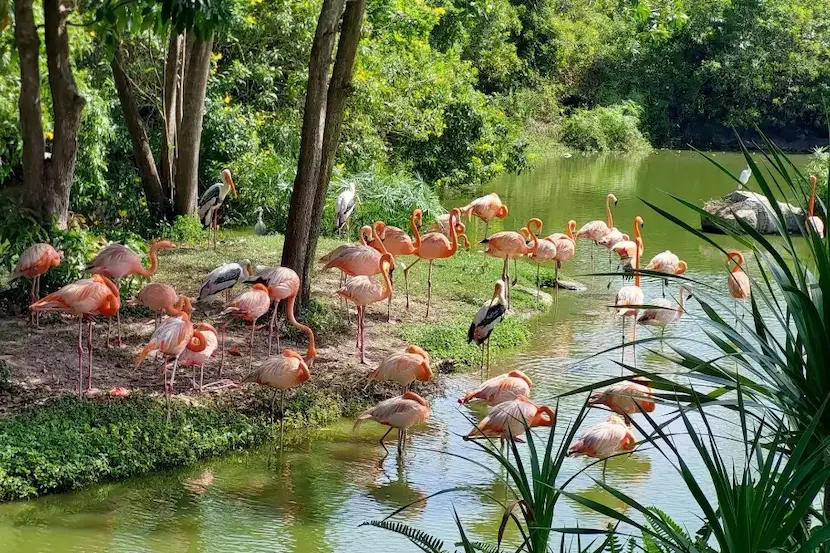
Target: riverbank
(54,442)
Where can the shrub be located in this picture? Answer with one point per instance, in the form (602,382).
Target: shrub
(264,179)
(604,129)
(184,229)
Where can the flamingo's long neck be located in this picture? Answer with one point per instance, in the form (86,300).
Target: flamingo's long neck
(638,244)
(365,235)
(739,261)
(311,353)
(570,231)
(198,342)
(415,232)
(813,197)
(681,308)
(387,281)
(381,245)
(530,225)
(153,262)
(453,232)
(608,213)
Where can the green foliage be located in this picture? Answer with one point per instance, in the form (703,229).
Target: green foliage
(819,165)
(602,129)
(185,229)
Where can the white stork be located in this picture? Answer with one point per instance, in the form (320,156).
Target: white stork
(490,314)
(344,207)
(212,200)
(744,177)
(224,278)
(259,228)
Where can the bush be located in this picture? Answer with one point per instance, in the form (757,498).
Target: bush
(264,179)
(604,129)
(185,229)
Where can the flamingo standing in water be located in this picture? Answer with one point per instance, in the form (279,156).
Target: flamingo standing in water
(604,440)
(398,242)
(485,321)
(85,299)
(363,290)
(812,220)
(738,281)
(284,284)
(512,245)
(631,295)
(510,419)
(171,338)
(502,388)
(435,245)
(596,230)
(664,312)
(668,263)
(117,261)
(399,412)
(404,368)
(33,263)
(565,246)
(190,358)
(162,298)
(626,398)
(545,252)
(486,208)
(249,306)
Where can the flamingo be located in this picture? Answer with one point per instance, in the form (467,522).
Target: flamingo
(744,177)
(812,220)
(363,290)
(358,260)
(510,244)
(117,261)
(281,373)
(259,228)
(190,358)
(664,312)
(490,314)
(85,299)
(344,206)
(442,225)
(225,277)
(738,281)
(435,245)
(249,306)
(399,412)
(626,398)
(626,250)
(604,440)
(163,298)
(212,200)
(596,230)
(398,242)
(510,419)
(669,263)
(502,388)
(485,208)
(171,338)
(33,263)
(565,246)
(545,251)
(631,295)
(404,368)
(284,284)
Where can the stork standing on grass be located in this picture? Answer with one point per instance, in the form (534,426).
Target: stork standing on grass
(225,277)
(490,314)
(344,207)
(212,200)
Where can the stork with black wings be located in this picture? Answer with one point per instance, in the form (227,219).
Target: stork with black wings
(344,207)
(223,278)
(212,200)
(490,314)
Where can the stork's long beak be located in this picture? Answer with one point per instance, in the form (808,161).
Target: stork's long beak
(233,186)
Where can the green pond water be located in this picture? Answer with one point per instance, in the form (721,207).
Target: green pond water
(312,499)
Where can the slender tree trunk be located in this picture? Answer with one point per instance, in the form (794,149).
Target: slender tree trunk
(340,88)
(194,88)
(172,89)
(157,202)
(295,250)
(31,122)
(68,105)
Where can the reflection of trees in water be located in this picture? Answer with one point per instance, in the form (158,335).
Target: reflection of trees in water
(397,492)
(627,472)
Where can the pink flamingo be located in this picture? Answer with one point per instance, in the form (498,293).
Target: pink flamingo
(510,419)
(281,373)
(512,245)
(545,251)
(435,245)
(171,338)
(163,298)
(485,208)
(190,358)
(397,242)
(631,295)
(85,299)
(626,398)
(33,263)
(812,220)
(664,312)
(399,412)
(738,281)
(565,246)
(404,368)
(284,284)
(502,388)
(117,261)
(669,263)
(596,230)
(363,290)
(604,440)
(249,306)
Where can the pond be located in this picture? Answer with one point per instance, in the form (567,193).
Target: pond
(313,498)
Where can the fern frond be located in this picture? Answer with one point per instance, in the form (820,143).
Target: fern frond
(424,541)
(481,546)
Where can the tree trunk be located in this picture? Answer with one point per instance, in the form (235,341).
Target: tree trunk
(68,105)
(340,88)
(31,122)
(190,131)
(295,250)
(172,89)
(157,202)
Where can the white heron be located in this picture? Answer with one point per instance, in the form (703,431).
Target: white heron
(744,177)
(344,207)
(212,200)
(259,228)
(224,278)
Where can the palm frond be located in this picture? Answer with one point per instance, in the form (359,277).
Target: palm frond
(424,541)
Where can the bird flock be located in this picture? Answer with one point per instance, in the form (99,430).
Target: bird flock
(380,248)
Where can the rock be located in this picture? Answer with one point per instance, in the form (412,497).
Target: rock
(754,209)
(544,298)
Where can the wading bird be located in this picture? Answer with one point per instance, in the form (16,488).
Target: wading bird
(162,298)
(631,295)
(85,299)
(509,245)
(399,412)
(32,264)
(249,306)
(744,177)
(603,440)
(626,398)
(664,312)
(596,230)
(190,358)
(565,246)
(281,373)
(397,242)
(117,261)
(812,221)
(284,284)
(435,245)
(510,419)
(344,206)
(171,338)
(485,208)
(738,281)
(626,250)
(358,260)
(545,252)
(363,290)
(404,368)
(212,200)
(668,263)
(259,228)
(505,387)
(490,314)
(225,277)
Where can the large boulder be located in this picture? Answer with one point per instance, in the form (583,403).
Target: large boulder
(754,209)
